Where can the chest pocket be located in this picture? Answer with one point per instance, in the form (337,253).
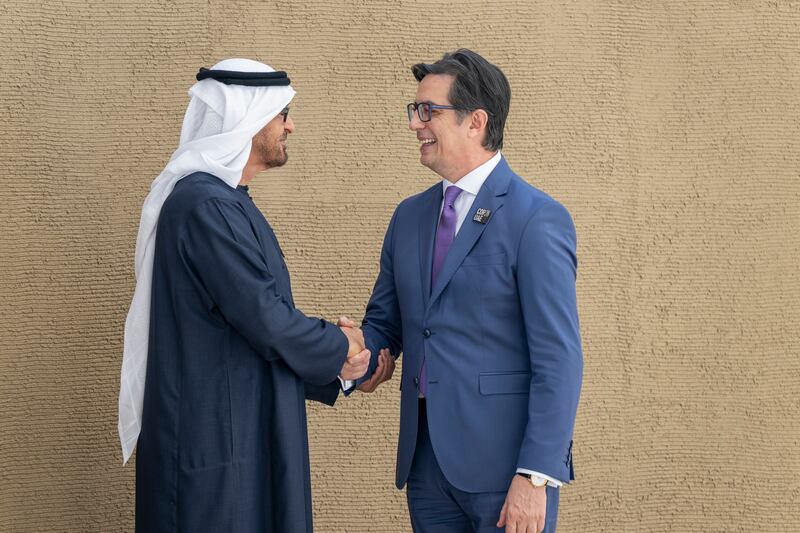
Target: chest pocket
(479,260)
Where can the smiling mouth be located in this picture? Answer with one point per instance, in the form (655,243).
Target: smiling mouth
(426,142)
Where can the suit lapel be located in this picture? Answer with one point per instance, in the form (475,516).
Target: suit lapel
(428,221)
(490,196)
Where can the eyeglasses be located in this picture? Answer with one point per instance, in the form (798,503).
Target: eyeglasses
(285,113)
(424,110)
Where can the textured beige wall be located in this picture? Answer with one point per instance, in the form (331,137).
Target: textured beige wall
(671,130)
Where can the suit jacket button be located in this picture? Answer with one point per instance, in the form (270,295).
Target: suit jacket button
(416,382)
(426,333)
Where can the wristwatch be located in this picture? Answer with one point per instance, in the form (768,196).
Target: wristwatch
(536,481)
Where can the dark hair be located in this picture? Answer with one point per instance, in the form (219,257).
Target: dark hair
(477,84)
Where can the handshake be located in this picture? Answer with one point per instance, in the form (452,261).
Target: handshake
(358,358)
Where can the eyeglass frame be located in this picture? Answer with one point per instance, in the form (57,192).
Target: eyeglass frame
(414,106)
(285,113)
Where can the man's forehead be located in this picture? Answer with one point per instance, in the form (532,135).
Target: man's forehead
(434,88)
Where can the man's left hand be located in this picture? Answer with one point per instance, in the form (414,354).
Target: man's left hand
(525,507)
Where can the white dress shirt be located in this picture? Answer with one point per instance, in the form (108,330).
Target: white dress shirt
(470,184)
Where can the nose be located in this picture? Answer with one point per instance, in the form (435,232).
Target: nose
(415,124)
(288,126)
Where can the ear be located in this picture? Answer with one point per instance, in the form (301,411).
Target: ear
(477,123)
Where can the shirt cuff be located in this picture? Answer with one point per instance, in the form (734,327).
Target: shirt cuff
(347,384)
(551,482)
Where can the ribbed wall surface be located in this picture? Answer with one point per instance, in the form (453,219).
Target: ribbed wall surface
(670,130)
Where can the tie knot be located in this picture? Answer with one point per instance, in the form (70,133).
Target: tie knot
(450,194)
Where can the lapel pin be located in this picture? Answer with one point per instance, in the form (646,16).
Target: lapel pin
(482,215)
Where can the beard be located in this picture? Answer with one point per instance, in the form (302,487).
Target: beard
(272,151)
(275,155)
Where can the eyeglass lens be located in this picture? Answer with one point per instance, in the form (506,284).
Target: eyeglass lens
(423,111)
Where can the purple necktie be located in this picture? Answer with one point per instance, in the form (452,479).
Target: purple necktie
(445,234)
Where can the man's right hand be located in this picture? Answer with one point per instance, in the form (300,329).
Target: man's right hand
(382,373)
(357,361)
(345,322)
(355,336)
(355,366)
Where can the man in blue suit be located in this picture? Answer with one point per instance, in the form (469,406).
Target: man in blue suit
(477,289)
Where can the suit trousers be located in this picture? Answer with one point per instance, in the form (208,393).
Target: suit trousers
(436,506)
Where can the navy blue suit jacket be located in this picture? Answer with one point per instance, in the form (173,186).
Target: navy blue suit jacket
(499,332)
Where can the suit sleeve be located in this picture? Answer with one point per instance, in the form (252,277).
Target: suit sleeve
(219,248)
(326,394)
(546,275)
(382,325)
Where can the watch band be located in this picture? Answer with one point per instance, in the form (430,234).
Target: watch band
(537,482)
